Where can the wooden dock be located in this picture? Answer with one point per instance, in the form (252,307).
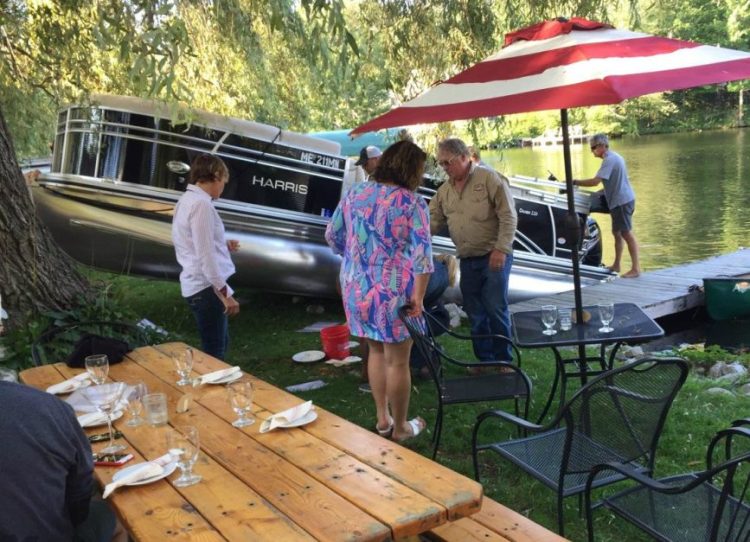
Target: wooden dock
(659,293)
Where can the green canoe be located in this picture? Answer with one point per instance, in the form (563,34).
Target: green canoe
(727,297)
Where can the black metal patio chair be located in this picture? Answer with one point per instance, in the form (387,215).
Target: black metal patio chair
(707,506)
(499,380)
(57,342)
(616,417)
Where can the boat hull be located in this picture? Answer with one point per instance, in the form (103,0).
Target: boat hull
(727,297)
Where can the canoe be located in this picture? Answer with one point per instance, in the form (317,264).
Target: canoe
(727,297)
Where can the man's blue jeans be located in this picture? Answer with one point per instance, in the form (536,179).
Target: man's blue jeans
(485,294)
(213,326)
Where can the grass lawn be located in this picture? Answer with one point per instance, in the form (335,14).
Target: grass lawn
(264,337)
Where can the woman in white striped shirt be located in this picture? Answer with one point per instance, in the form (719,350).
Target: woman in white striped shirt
(203,252)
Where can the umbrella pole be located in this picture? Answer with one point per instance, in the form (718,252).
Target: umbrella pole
(573,227)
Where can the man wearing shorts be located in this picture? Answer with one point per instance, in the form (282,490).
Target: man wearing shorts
(621,201)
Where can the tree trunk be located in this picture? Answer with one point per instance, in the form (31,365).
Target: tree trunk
(35,274)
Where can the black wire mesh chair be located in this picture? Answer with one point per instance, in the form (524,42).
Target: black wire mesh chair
(509,382)
(617,417)
(56,343)
(707,506)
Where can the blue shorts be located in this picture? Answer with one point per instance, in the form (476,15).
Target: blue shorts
(622,217)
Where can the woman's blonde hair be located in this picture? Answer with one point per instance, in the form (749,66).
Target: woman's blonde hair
(451,264)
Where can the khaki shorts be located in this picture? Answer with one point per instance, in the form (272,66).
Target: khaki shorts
(622,217)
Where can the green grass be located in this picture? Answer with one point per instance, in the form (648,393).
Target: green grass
(264,337)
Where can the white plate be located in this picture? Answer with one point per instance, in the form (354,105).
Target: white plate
(353,344)
(168,469)
(308,356)
(116,415)
(304,420)
(227,379)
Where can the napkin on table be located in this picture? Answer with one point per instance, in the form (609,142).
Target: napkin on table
(221,374)
(286,417)
(69,385)
(145,470)
(95,418)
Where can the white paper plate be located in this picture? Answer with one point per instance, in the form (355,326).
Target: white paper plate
(308,356)
(227,379)
(116,415)
(304,420)
(168,469)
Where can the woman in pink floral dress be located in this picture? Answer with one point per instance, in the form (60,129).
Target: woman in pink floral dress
(382,229)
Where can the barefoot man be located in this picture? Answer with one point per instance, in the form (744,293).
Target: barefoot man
(621,201)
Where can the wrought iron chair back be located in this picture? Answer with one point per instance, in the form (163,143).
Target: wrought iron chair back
(498,381)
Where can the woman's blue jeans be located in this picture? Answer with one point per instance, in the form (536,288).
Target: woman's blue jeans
(213,326)
(485,294)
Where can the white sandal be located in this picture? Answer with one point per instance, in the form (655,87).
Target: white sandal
(387,431)
(417,426)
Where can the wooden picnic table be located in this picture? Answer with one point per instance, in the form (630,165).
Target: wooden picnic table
(329,480)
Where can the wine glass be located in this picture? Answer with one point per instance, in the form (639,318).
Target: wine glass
(549,317)
(606,314)
(241,399)
(98,367)
(183,362)
(104,397)
(134,396)
(184,446)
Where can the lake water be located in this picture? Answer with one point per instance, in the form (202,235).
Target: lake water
(692,190)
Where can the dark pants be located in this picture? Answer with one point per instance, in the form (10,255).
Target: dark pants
(436,286)
(485,294)
(213,326)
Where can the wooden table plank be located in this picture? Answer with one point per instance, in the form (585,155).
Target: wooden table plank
(446,487)
(305,500)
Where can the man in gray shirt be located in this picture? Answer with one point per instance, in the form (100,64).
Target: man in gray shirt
(620,199)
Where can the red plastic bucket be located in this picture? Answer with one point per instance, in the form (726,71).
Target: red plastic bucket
(335,341)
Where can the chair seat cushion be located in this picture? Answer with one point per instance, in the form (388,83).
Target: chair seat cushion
(490,387)
(685,516)
(541,456)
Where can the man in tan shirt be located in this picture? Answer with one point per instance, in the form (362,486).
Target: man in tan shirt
(477,206)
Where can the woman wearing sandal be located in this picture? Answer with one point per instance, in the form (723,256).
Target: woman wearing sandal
(382,230)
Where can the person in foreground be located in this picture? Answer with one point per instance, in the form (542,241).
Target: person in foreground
(382,229)
(477,205)
(48,472)
(620,199)
(203,253)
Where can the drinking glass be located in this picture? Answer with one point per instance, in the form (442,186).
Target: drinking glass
(549,317)
(241,399)
(565,320)
(98,367)
(155,405)
(134,396)
(184,446)
(606,314)
(183,362)
(104,397)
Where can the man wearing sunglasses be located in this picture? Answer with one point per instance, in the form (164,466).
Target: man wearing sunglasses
(620,199)
(477,207)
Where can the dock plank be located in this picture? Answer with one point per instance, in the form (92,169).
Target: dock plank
(660,292)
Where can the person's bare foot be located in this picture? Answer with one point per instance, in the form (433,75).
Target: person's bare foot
(632,274)
(613,268)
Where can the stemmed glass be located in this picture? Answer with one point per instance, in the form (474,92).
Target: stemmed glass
(184,445)
(606,315)
(241,399)
(134,396)
(183,362)
(98,367)
(549,317)
(104,397)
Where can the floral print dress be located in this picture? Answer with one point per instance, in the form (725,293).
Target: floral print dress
(383,233)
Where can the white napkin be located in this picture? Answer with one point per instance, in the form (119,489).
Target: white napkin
(221,374)
(69,385)
(287,417)
(143,471)
(95,418)
(346,361)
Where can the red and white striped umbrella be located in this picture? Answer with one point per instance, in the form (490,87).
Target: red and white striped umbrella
(564,64)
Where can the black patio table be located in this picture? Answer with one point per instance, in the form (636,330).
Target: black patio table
(631,326)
